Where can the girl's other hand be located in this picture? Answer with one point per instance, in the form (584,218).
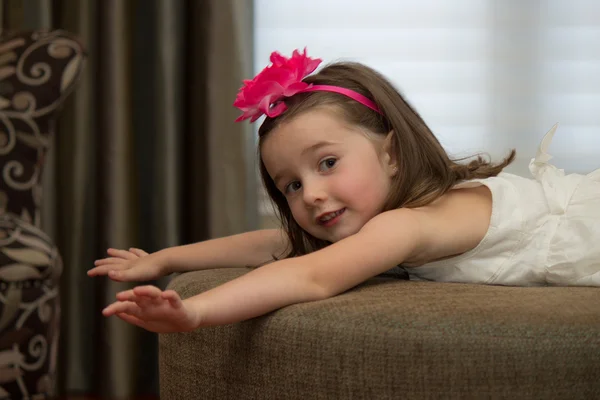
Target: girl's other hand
(128,265)
(152,309)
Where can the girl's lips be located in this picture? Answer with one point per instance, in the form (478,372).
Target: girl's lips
(333,220)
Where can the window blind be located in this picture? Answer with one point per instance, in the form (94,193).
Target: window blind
(485,75)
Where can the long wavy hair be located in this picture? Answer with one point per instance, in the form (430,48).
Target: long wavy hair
(425,170)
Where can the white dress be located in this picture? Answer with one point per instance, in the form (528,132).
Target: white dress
(543,231)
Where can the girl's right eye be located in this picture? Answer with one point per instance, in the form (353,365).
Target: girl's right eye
(293,187)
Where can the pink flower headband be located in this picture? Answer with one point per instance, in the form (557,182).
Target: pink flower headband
(263,94)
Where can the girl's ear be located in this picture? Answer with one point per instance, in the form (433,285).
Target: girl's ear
(389,153)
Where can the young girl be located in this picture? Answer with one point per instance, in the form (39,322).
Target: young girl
(362,185)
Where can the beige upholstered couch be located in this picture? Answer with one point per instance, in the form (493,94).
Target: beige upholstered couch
(393,339)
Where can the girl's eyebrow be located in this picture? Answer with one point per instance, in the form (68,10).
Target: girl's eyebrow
(317,146)
(278,177)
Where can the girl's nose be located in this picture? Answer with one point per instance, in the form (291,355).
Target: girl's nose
(314,193)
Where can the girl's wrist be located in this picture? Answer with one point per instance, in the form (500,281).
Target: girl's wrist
(195,313)
(163,260)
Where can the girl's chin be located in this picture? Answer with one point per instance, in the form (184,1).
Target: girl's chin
(340,236)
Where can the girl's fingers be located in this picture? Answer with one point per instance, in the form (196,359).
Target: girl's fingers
(95,271)
(105,269)
(125,254)
(138,252)
(128,307)
(173,298)
(126,295)
(133,320)
(142,300)
(119,260)
(109,260)
(98,271)
(123,274)
(148,290)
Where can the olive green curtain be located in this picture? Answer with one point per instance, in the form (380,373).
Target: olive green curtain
(146,154)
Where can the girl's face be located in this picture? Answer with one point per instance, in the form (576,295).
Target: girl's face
(335,178)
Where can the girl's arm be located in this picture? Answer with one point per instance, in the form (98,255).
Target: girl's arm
(452,225)
(315,276)
(250,249)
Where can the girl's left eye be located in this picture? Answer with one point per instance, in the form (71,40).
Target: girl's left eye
(327,164)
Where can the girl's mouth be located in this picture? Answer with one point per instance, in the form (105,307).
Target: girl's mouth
(331,218)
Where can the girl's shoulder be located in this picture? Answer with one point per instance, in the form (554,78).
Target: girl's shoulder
(510,193)
(502,181)
(455,223)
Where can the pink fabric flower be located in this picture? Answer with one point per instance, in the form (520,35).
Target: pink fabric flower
(283,78)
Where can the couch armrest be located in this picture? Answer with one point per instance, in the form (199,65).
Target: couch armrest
(391,338)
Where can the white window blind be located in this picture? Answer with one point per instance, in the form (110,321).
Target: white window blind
(486,75)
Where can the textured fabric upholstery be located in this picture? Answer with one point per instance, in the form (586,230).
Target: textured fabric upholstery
(37,72)
(393,339)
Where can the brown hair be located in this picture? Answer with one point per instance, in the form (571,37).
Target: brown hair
(425,171)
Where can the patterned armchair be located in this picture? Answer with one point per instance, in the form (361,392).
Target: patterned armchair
(38,70)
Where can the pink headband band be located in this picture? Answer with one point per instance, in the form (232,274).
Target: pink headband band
(346,92)
(283,78)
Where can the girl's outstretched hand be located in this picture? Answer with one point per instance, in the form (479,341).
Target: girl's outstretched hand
(128,265)
(152,309)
